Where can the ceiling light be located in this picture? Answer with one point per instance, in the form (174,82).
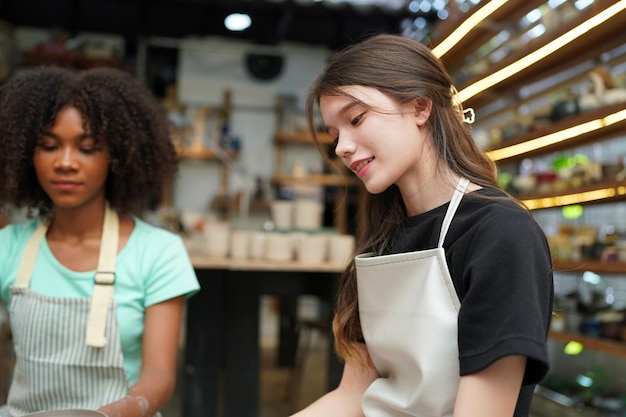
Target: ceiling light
(237,22)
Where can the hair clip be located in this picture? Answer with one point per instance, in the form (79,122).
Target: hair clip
(469,116)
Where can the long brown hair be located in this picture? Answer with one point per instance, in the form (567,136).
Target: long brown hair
(405,70)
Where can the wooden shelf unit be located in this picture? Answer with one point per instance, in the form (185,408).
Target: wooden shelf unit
(510,11)
(595,193)
(569,124)
(186,153)
(589,265)
(341,179)
(587,47)
(608,346)
(327,180)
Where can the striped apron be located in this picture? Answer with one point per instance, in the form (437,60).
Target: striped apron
(409,310)
(68,350)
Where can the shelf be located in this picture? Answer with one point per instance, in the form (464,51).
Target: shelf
(324,180)
(202,154)
(234,204)
(601,38)
(593,266)
(566,133)
(508,13)
(301,137)
(611,347)
(601,192)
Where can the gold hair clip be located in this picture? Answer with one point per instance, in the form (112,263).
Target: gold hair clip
(467,115)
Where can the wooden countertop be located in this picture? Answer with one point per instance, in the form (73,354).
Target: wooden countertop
(205,262)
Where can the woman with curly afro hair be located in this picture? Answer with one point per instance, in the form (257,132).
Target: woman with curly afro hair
(96,295)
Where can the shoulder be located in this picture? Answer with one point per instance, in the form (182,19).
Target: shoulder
(16,235)
(496,230)
(13,239)
(153,247)
(163,261)
(154,236)
(494,211)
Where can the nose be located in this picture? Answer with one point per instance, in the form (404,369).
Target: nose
(345,146)
(67,159)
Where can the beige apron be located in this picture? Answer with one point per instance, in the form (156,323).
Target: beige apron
(409,310)
(68,350)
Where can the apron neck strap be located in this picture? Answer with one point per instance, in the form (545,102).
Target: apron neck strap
(454,204)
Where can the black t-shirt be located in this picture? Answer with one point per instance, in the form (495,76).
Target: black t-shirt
(500,264)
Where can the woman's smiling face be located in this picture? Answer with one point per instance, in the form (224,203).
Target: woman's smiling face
(380,140)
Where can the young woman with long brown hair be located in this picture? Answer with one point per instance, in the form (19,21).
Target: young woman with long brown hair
(446,307)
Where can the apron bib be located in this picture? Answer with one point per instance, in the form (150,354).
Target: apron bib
(68,350)
(409,316)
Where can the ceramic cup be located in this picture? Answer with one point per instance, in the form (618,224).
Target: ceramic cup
(216,239)
(282,213)
(239,244)
(258,242)
(312,249)
(279,247)
(340,248)
(308,214)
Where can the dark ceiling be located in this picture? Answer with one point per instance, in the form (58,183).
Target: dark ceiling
(273,21)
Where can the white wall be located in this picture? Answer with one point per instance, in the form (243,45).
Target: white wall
(208,67)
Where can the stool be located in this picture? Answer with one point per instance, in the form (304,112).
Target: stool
(305,329)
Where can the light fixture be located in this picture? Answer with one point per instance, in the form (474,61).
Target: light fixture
(556,137)
(539,54)
(237,22)
(468,24)
(574,198)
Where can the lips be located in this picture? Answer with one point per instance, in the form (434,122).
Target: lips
(359,166)
(66,185)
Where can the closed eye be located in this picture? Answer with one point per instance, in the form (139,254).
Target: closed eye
(88,151)
(357,119)
(46,147)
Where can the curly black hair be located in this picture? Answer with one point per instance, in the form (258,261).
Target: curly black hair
(116,109)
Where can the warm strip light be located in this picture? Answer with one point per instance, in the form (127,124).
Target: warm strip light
(468,24)
(568,199)
(615,117)
(556,137)
(539,54)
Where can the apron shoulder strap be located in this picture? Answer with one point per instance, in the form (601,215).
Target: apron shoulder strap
(454,204)
(104,280)
(27,264)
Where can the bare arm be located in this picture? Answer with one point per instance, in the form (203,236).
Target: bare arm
(492,392)
(345,400)
(158,371)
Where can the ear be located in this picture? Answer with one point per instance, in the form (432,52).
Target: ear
(423,108)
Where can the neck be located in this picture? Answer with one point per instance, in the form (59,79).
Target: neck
(77,223)
(429,193)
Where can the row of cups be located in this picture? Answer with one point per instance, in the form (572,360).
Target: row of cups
(301,214)
(311,248)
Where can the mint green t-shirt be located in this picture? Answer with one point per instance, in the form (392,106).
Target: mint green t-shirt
(153,267)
